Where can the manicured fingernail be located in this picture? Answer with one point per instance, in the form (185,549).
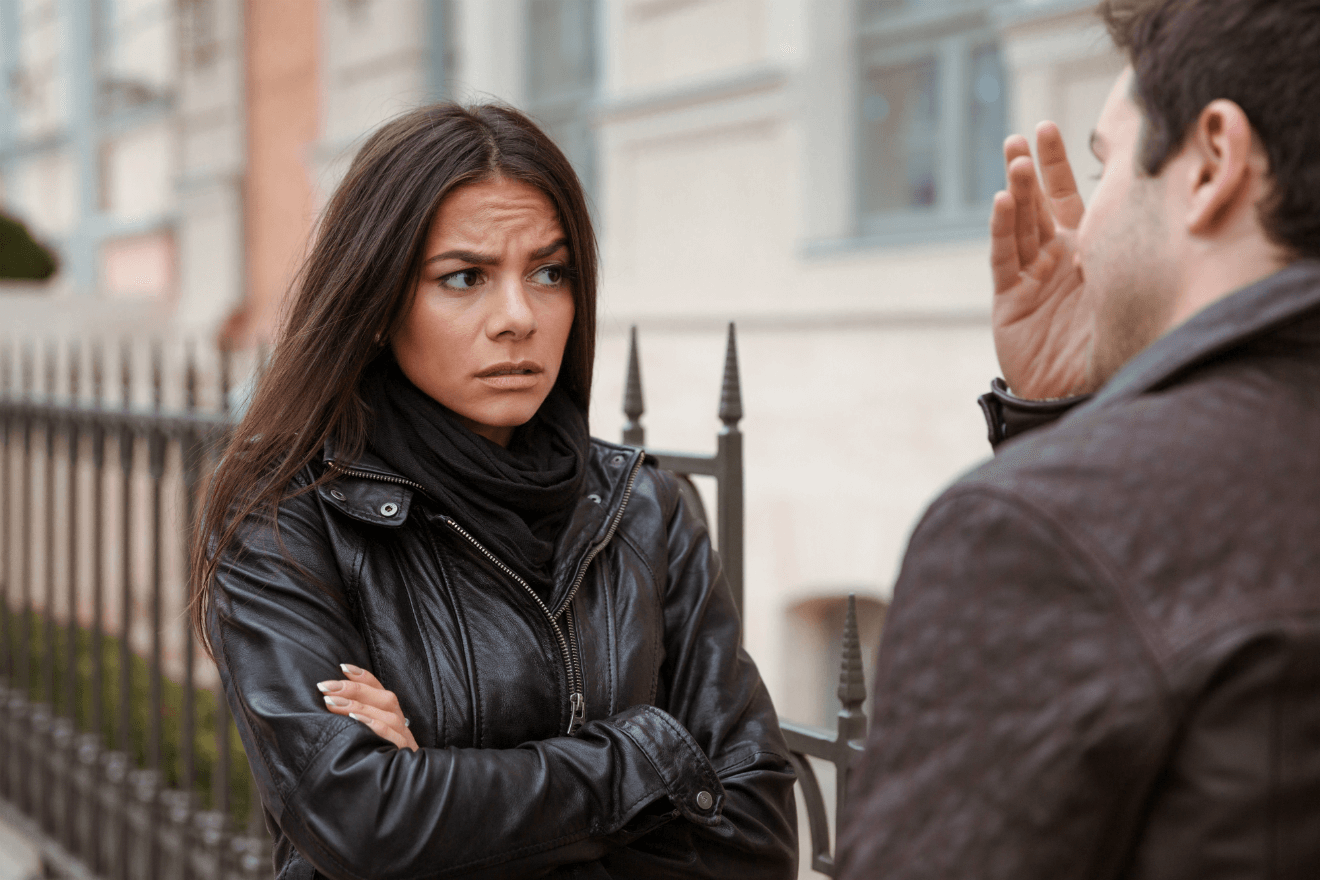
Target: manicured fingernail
(350,669)
(337,701)
(329,687)
(357,717)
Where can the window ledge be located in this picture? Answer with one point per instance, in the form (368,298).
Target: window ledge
(903,233)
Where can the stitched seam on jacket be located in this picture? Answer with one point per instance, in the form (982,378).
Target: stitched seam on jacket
(694,751)
(1097,562)
(311,838)
(738,761)
(658,630)
(469,654)
(431,660)
(1093,559)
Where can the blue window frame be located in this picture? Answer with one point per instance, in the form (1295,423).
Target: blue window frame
(563,75)
(931,117)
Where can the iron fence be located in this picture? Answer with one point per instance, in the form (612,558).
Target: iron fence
(117,750)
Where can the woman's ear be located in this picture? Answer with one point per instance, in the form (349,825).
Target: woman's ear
(1228,164)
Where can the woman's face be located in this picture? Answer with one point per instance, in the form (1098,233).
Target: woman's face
(493,306)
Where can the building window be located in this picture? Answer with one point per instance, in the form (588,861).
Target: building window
(200,35)
(135,53)
(562,76)
(932,115)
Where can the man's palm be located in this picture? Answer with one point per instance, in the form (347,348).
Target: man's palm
(1041,318)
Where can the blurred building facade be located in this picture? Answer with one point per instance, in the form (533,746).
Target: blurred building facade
(818,171)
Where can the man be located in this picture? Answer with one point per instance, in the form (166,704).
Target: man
(1103,655)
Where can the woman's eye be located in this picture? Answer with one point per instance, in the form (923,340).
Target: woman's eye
(550,276)
(462,280)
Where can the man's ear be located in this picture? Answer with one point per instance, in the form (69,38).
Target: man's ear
(1226,164)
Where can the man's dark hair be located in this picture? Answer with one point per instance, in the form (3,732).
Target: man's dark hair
(1264,55)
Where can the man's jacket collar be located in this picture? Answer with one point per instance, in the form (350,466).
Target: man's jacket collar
(1249,313)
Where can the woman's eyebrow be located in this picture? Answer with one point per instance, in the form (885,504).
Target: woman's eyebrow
(489,260)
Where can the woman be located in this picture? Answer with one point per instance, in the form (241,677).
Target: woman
(459,637)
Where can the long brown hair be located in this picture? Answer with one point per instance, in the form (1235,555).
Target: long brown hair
(355,289)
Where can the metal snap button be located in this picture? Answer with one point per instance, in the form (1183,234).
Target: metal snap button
(337,495)
(389,508)
(594,498)
(616,460)
(704,800)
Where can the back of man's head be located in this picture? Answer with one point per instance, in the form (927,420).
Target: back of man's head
(1264,55)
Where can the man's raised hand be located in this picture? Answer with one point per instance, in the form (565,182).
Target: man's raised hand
(1041,319)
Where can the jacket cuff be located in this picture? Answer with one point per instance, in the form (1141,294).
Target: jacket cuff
(683,767)
(1008,415)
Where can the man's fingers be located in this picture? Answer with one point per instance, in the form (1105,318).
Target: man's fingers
(1060,184)
(1004,265)
(1015,146)
(1023,187)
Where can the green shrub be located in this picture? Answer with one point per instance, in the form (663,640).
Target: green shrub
(205,704)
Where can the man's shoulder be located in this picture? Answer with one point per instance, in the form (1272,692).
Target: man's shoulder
(1228,424)
(1195,501)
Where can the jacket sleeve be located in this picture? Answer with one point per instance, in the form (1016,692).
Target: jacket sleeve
(1019,718)
(711,687)
(1008,416)
(357,807)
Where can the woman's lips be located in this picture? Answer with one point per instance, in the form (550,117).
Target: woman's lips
(511,376)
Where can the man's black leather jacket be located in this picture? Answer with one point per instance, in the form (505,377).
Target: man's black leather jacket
(676,766)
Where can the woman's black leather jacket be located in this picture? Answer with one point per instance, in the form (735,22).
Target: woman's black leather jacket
(615,728)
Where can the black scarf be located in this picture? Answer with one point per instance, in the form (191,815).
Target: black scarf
(515,501)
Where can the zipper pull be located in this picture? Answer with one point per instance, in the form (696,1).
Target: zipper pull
(577,707)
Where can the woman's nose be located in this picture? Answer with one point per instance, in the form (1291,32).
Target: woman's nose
(511,312)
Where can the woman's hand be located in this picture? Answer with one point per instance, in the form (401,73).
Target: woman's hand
(364,699)
(1042,321)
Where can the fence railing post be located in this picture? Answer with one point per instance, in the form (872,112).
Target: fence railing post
(633,406)
(729,516)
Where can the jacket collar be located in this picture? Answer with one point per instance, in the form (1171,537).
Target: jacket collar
(369,490)
(1254,311)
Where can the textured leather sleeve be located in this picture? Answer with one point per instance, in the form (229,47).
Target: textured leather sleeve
(1019,715)
(712,688)
(356,807)
(1008,416)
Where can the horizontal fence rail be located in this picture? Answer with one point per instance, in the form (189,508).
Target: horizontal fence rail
(117,748)
(117,743)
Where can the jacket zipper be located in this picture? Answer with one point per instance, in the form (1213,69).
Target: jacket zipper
(579,716)
(568,647)
(384,478)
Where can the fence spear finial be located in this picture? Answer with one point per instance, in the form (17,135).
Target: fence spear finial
(75,364)
(633,406)
(226,369)
(190,375)
(157,373)
(731,410)
(25,356)
(98,370)
(126,371)
(52,366)
(852,680)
